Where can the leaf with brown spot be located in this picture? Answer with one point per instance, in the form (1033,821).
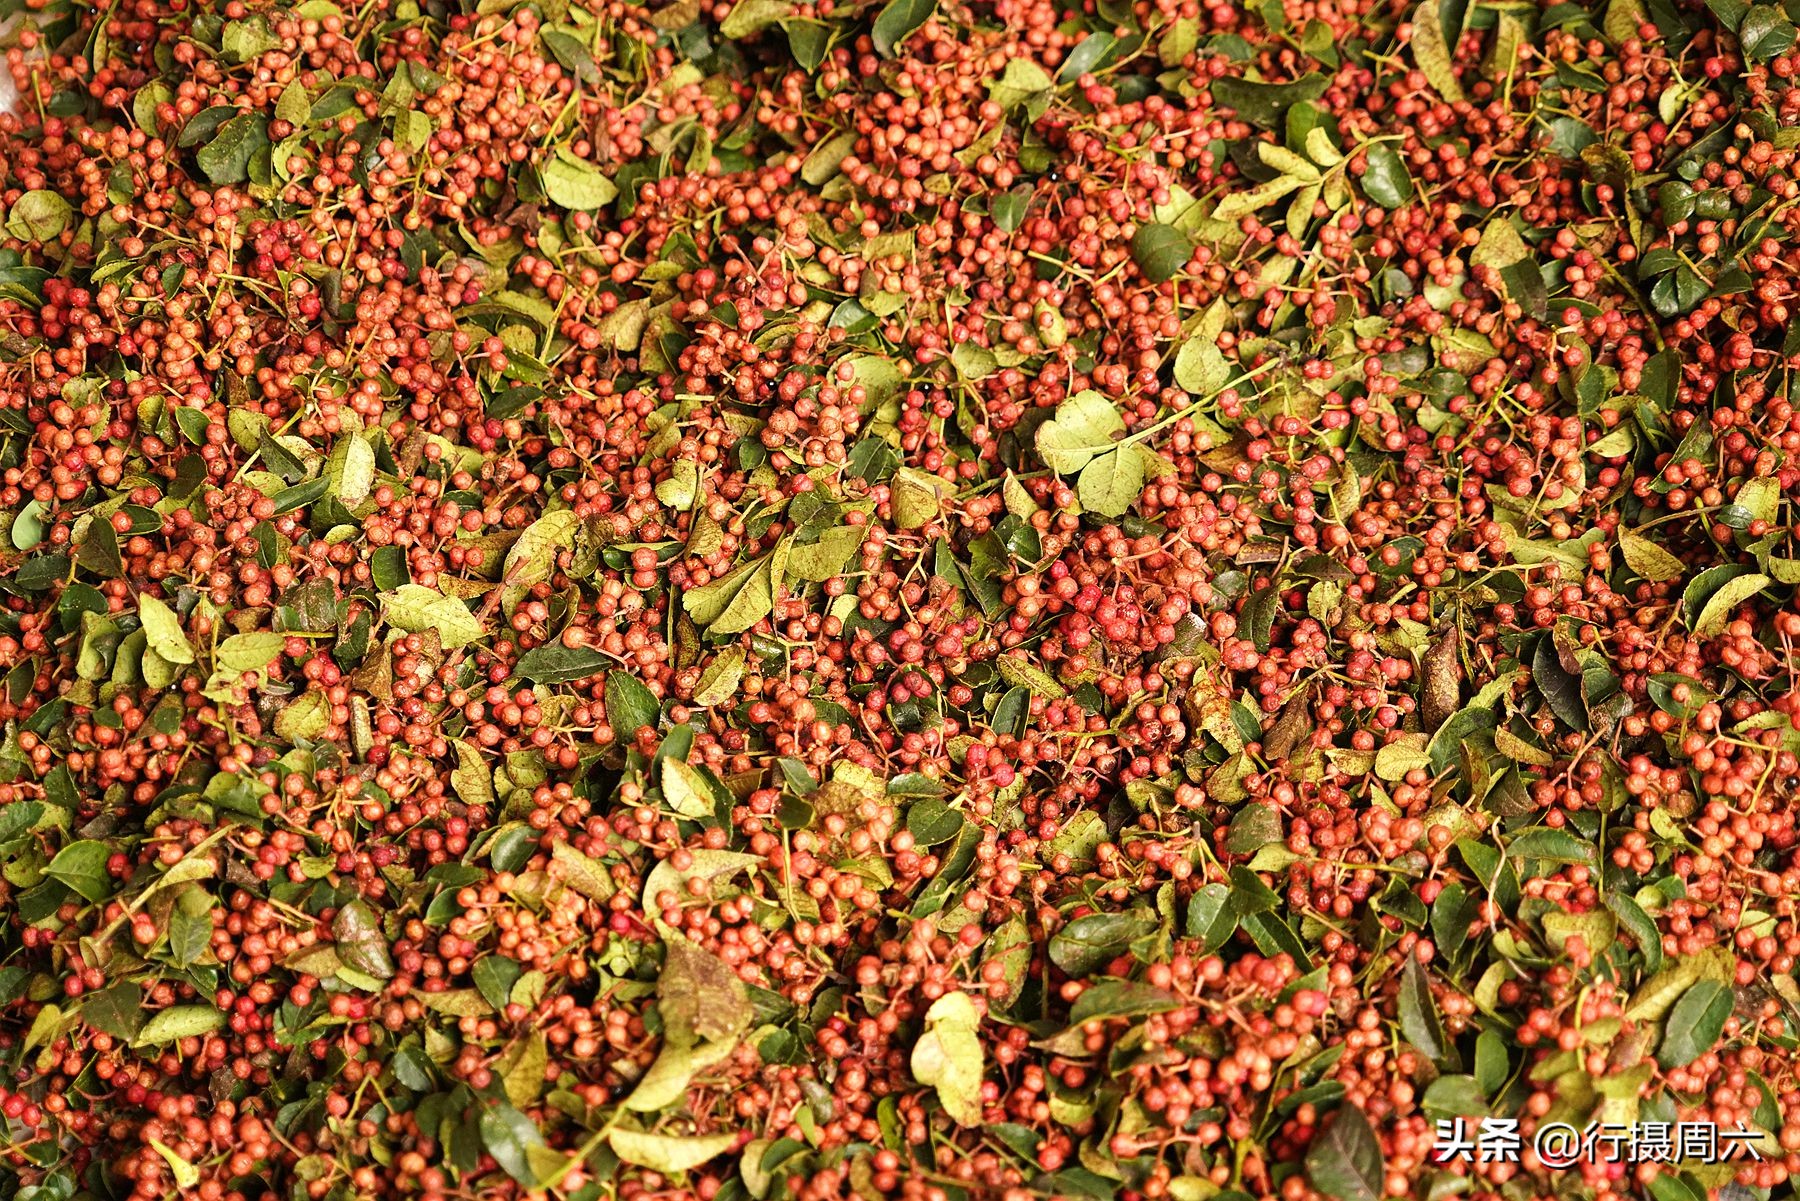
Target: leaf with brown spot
(1441,694)
(701,998)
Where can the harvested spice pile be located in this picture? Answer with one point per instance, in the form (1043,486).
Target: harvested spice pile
(910,599)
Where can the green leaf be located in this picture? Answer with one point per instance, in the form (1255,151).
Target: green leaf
(1009,211)
(1160,251)
(28,525)
(1637,923)
(572,53)
(294,106)
(1011,947)
(357,475)
(685,790)
(583,873)
(1258,620)
(707,865)
(1648,559)
(190,928)
(948,1057)
(509,1137)
(683,485)
(826,558)
(1018,669)
(1110,483)
(749,605)
(532,559)
(522,1073)
(1758,500)
(1387,181)
(1453,1095)
(1121,998)
(1210,916)
(1654,997)
(1560,687)
(668,1153)
(1492,1064)
(471,778)
(247,39)
(558,664)
(1024,85)
(1254,827)
(1264,103)
(676,1065)
(1623,17)
(1345,1161)
(1235,206)
(1694,1024)
(1405,754)
(304,719)
(709,605)
(416,609)
(494,977)
(1431,45)
(918,498)
(700,997)
(1084,426)
(82,866)
(1765,33)
(117,1010)
(1087,57)
(825,161)
(899,19)
(718,683)
(1551,845)
(249,652)
(1719,608)
(187,1176)
(576,184)
(38,216)
(752,16)
(1089,942)
(226,159)
(933,822)
(164,631)
(1201,367)
(179,1022)
(808,42)
(360,942)
(629,704)
(1419,1012)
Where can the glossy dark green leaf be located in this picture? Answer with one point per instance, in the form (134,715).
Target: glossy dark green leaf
(558,664)
(226,159)
(932,822)
(1765,33)
(117,1010)
(898,19)
(1087,943)
(1264,104)
(1694,1024)
(1345,1161)
(509,1136)
(1560,688)
(494,977)
(1419,1020)
(1386,181)
(1160,251)
(630,706)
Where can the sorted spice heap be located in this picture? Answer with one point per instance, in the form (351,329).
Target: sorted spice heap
(920,599)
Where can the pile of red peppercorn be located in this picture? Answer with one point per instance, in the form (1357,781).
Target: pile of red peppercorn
(896,598)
